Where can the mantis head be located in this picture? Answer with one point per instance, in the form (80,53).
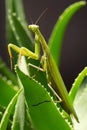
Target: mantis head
(33,27)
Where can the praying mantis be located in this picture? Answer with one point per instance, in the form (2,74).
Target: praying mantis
(49,65)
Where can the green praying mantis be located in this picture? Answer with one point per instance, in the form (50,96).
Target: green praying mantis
(49,66)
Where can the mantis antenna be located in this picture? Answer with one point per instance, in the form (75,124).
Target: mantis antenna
(41,15)
(30,17)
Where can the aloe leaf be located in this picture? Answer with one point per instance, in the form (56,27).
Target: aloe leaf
(20,32)
(7,91)
(76,85)
(16,6)
(19,114)
(5,118)
(10,7)
(43,111)
(28,124)
(21,118)
(55,41)
(1,115)
(5,71)
(17,31)
(80,104)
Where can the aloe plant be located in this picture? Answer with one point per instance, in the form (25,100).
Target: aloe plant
(26,101)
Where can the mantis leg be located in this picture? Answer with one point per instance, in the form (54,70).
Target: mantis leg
(59,99)
(24,51)
(44,62)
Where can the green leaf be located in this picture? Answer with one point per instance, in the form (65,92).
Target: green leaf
(43,111)
(76,85)
(56,38)
(7,91)
(5,118)
(5,71)
(17,28)
(19,114)
(10,6)
(21,118)
(20,32)
(80,104)
(16,6)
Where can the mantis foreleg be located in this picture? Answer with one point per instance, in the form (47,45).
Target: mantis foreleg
(24,51)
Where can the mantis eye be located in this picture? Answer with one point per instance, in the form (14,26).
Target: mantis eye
(33,27)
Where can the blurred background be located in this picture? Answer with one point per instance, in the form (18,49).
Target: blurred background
(74,50)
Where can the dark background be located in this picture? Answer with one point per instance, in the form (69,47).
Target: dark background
(74,51)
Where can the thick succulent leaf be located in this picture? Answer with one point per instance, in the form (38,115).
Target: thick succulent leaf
(15,6)
(5,71)
(80,104)
(55,41)
(5,118)
(20,32)
(44,113)
(1,114)
(7,91)
(9,33)
(19,114)
(21,119)
(2,109)
(28,122)
(76,85)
